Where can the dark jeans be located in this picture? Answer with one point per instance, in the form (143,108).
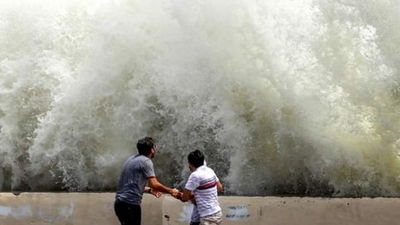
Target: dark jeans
(127,214)
(194,223)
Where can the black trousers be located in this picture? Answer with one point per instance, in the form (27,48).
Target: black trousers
(128,214)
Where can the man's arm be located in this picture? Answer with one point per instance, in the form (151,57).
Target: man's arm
(154,184)
(152,191)
(186,196)
(220,188)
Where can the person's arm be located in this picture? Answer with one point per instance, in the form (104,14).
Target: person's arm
(190,186)
(220,188)
(186,195)
(152,191)
(148,171)
(154,184)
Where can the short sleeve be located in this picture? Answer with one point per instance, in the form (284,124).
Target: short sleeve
(148,169)
(192,183)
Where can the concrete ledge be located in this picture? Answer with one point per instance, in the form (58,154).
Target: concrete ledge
(97,209)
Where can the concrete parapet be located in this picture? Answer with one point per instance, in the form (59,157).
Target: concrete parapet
(97,209)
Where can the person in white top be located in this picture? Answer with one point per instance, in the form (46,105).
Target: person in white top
(202,187)
(195,218)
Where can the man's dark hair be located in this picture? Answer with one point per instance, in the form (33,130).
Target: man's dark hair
(145,145)
(196,158)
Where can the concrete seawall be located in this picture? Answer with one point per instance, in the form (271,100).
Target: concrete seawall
(97,209)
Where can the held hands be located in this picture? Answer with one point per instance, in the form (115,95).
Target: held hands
(179,195)
(175,193)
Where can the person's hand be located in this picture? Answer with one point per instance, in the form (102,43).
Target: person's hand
(175,193)
(155,193)
(179,197)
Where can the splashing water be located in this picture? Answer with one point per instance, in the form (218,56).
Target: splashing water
(289,97)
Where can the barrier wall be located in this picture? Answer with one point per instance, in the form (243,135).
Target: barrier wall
(97,209)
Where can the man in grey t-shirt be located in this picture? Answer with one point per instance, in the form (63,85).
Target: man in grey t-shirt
(137,171)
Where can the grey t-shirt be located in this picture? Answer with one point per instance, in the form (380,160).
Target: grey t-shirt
(137,169)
